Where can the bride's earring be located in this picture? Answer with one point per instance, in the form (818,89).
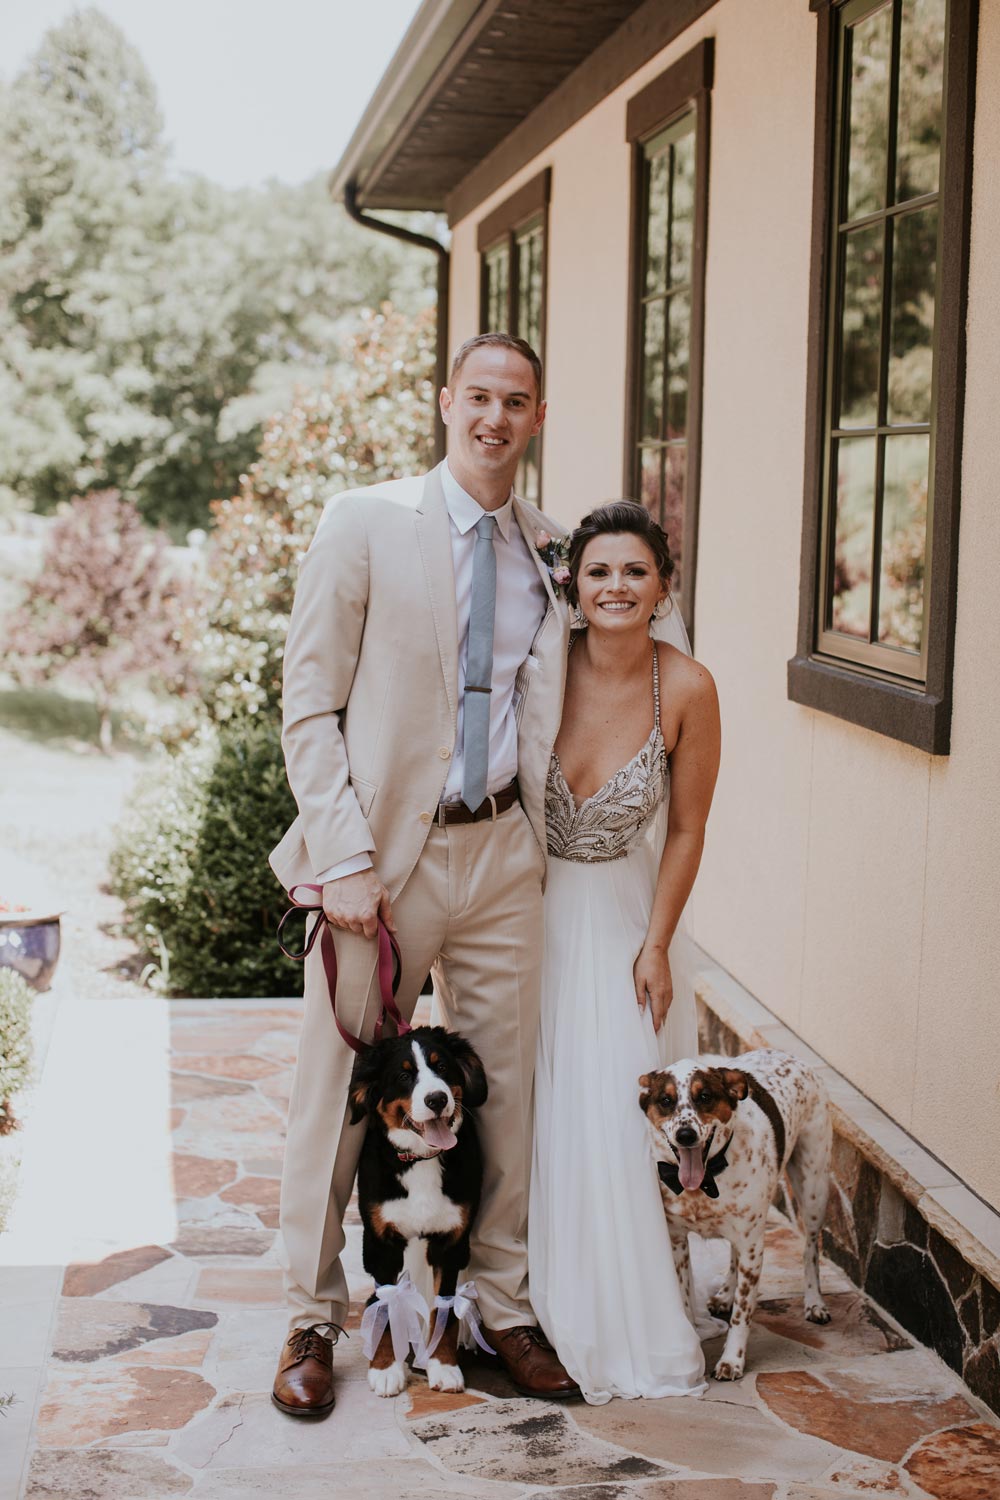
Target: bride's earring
(659,609)
(577,619)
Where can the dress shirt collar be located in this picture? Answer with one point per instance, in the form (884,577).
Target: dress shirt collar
(465,511)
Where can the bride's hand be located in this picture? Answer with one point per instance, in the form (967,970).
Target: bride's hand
(653,982)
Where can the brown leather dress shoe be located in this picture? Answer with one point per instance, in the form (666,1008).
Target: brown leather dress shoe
(303,1386)
(531,1362)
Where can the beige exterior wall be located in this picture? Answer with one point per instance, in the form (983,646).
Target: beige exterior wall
(852,883)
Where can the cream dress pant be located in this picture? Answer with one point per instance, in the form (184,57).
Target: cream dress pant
(472,909)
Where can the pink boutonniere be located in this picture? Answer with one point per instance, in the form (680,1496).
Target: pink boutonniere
(554,552)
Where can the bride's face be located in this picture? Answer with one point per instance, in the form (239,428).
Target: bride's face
(618,584)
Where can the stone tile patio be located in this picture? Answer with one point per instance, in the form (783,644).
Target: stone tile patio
(153,1362)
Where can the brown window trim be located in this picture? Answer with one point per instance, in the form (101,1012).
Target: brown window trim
(916,716)
(686,84)
(530,201)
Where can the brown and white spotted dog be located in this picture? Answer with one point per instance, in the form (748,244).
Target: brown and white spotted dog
(723,1130)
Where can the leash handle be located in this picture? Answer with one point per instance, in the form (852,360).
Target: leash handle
(390,965)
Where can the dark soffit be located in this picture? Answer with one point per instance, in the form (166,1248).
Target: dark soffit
(463,79)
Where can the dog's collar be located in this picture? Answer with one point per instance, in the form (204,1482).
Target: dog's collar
(419,1155)
(670,1175)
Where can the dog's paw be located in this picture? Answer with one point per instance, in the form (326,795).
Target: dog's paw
(729,1369)
(817,1312)
(720,1306)
(444,1377)
(387,1382)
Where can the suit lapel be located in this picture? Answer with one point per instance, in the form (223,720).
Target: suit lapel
(530,530)
(434,540)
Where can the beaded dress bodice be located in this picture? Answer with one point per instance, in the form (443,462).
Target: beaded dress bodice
(608,824)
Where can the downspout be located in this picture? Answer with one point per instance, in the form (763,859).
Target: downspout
(426,242)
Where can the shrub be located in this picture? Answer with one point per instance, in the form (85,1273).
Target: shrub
(191,866)
(103,606)
(15,1042)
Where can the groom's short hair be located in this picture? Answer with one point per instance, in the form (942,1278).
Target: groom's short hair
(498,341)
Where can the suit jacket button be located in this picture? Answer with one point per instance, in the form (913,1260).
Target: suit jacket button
(444,753)
(425,817)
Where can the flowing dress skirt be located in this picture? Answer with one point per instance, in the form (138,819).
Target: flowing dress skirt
(600,1265)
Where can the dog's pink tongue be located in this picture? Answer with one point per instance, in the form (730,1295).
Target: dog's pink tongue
(691,1168)
(439,1134)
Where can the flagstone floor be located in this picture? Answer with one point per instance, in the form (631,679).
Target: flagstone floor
(160,1357)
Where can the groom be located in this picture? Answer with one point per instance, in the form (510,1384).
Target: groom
(424,674)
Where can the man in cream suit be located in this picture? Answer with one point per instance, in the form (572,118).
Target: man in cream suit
(421,800)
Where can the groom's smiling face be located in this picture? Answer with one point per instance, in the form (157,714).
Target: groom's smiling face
(493,412)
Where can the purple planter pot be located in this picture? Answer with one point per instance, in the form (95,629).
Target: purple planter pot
(30,946)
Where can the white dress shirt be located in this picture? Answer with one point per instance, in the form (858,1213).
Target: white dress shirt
(521,601)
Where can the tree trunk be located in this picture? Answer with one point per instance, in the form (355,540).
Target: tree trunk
(104,735)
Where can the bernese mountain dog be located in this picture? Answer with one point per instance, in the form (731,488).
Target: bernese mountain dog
(419,1177)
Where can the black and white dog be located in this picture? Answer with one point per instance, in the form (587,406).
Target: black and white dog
(419,1177)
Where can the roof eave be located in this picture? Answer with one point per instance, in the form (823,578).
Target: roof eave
(429,40)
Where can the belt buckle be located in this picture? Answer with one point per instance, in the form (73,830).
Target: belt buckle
(441,822)
(491,799)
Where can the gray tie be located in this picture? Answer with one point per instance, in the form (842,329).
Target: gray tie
(479,665)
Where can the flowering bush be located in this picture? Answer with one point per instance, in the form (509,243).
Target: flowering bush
(103,607)
(371,422)
(15,1042)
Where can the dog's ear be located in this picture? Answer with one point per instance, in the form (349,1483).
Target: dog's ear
(736,1084)
(645,1083)
(474,1087)
(363,1091)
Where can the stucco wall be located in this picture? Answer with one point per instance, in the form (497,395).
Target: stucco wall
(853,884)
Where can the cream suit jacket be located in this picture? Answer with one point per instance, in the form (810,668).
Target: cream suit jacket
(371,682)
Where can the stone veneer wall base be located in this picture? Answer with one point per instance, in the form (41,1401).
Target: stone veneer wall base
(902,1226)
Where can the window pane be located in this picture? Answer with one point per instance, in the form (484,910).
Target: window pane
(651,480)
(682,210)
(904,538)
(911,357)
(852,557)
(679,317)
(529,286)
(861,323)
(651,398)
(497,281)
(657,200)
(921,73)
(675,472)
(871,42)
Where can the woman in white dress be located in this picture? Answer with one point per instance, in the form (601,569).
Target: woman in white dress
(622,860)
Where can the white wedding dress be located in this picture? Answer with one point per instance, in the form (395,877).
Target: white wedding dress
(600,1265)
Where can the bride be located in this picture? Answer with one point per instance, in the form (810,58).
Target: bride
(622,861)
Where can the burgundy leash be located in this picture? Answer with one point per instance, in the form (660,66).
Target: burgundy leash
(390,966)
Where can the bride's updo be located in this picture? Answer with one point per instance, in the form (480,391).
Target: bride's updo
(617,518)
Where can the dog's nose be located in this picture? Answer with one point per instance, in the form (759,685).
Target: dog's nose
(686,1136)
(436,1101)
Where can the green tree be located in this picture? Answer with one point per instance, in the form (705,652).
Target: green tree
(149,325)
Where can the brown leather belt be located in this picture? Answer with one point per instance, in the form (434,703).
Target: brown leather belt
(491,807)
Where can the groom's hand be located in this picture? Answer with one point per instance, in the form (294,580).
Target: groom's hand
(355,903)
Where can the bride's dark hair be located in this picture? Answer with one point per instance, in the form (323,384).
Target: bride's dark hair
(617,518)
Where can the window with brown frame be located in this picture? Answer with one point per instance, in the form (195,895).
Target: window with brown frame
(667,125)
(512,244)
(891,220)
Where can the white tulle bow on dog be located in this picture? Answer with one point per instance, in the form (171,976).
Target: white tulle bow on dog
(464,1303)
(400,1308)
